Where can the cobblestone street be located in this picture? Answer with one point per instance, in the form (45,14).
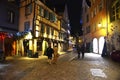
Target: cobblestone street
(92,67)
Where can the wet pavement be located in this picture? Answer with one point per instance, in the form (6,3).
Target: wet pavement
(68,67)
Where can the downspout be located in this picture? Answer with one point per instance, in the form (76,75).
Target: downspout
(107,28)
(33,27)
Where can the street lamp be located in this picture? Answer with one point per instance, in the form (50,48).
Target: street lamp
(104,25)
(99,25)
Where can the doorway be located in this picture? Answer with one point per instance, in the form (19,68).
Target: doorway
(101,44)
(95,45)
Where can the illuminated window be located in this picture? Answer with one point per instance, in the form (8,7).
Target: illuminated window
(115,13)
(37,29)
(37,33)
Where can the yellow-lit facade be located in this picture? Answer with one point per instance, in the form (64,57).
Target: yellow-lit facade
(43,24)
(97,24)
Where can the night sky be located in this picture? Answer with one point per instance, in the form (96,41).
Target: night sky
(74,12)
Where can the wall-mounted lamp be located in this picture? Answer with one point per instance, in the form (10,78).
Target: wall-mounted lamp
(99,25)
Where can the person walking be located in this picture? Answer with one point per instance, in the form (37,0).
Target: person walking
(56,55)
(49,52)
(82,50)
(104,51)
(78,50)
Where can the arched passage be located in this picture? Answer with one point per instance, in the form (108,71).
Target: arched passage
(101,44)
(95,45)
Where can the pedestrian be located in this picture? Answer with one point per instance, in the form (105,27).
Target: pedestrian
(56,54)
(78,50)
(82,50)
(49,52)
(104,51)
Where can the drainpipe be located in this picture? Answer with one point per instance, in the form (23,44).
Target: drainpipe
(33,28)
(108,47)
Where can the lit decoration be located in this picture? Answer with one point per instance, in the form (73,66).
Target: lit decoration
(24,34)
(99,25)
(80,41)
(3,35)
(28,36)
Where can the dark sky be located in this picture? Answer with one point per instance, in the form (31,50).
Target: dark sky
(74,12)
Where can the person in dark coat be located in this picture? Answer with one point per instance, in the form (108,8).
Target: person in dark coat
(82,50)
(104,52)
(49,52)
(78,50)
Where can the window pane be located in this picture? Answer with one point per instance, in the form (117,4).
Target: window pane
(28,9)
(48,29)
(41,12)
(11,16)
(27,25)
(42,28)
